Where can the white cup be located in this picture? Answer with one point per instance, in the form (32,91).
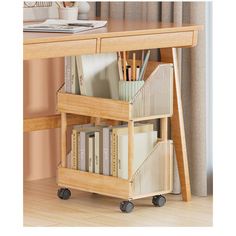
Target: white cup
(68,13)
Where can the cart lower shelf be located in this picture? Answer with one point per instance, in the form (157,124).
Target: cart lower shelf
(153,177)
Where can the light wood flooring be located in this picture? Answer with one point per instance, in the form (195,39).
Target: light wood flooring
(43,208)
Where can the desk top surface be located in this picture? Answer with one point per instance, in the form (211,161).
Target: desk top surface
(114,28)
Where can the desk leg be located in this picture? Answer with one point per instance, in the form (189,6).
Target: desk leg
(177,126)
(63,139)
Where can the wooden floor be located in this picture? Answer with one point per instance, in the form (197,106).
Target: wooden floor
(43,208)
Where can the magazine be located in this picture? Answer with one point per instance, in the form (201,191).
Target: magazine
(64,26)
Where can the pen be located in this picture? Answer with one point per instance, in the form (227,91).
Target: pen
(144,66)
(137,72)
(81,24)
(129,73)
(120,66)
(124,65)
(134,66)
(142,57)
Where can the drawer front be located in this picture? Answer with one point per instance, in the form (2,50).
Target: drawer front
(179,39)
(59,49)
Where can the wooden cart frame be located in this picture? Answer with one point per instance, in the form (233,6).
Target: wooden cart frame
(119,36)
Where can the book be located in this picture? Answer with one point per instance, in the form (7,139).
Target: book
(84,146)
(98,75)
(67,74)
(64,26)
(75,89)
(106,150)
(75,145)
(97,153)
(74,150)
(143,145)
(68,160)
(82,159)
(71,76)
(91,153)
(124,130)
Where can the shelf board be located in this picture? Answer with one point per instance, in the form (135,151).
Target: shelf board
(91,182)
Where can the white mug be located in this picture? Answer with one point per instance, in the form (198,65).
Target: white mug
(68,13)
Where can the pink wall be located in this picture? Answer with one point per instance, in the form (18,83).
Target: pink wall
(42,78)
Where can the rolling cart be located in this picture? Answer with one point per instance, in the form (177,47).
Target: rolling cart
(154,177)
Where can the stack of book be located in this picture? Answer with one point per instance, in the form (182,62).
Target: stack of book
(92,75)
(104,149)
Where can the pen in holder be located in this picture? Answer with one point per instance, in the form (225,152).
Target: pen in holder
(127,89)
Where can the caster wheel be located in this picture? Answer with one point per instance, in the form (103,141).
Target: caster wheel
(126,206)
(159,200)
(63,193)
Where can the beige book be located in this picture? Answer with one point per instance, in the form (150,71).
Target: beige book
(74,150)
(124,130)
(143,145)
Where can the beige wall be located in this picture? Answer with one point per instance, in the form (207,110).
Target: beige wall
(42,78)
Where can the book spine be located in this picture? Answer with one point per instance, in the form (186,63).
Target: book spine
(96,153)
(90,154)
(111,149)
(82,152)
(67,74)
(74,164)
(80,75)
(114,155)
(106,156)
(73,75)
(78,151)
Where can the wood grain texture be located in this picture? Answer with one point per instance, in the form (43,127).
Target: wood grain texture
(117,36)
(51,122)
(43,208)
(177,126)
(95,183)
(147,41)
(59,49)
(130,148)
(164,128)
(178,134)
(114,28)
(63,138)
(93,106)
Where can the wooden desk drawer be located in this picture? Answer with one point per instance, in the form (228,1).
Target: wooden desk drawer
(162,40)
(59,49)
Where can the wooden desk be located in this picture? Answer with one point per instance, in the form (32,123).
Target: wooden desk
(120,36)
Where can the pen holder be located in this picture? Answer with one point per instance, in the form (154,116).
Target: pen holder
(68,13)
(127,89)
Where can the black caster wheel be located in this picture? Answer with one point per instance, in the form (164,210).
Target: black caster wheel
(63,193)
(159,200)
(126,206)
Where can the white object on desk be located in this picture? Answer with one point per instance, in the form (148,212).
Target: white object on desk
(68,13)
(64,26)
(83,10)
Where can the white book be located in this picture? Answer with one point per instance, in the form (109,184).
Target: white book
(90,154)
(75,89)
(97,155)
(98,75)
(143,145)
